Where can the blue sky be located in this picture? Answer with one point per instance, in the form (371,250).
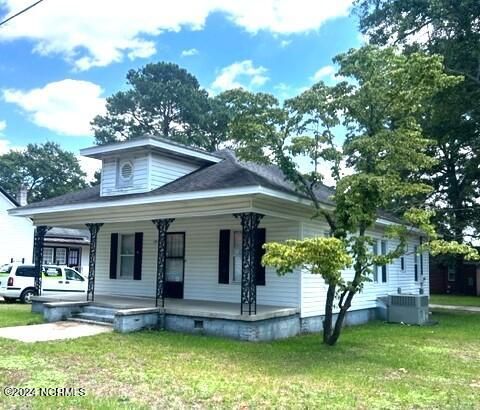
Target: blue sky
(61,59)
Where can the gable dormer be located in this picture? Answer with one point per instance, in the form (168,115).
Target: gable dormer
(144,164)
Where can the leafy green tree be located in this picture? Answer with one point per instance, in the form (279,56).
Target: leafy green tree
(45,170)
(385,148)
(452,117)
(163,100)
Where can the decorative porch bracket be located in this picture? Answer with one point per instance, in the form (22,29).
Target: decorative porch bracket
(38,242)
(250,222)
(162,226)
(93,228)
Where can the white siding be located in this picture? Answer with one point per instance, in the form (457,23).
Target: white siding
(165,170)
(201,266)
(16,235)
(109,184)
(150,171)
(314,289)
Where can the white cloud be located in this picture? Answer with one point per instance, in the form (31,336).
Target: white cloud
(190,52)
(327,74)
(285,43)
(89,166)
(3,125)
(66,106)
(284,16)
(92,33)
(4,146)
(323,73)
(242,74)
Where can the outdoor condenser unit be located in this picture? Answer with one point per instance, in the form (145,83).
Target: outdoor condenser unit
(410,309)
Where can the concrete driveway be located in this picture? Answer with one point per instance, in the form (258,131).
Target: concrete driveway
(52,331)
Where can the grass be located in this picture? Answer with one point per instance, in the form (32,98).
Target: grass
(455,300)
(375,366)
(17,314)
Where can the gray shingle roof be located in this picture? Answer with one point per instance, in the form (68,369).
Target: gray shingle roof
(229,173)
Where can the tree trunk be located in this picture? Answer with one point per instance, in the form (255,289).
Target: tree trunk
(340,319)
(327,322)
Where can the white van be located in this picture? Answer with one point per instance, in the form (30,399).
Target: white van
(17,281)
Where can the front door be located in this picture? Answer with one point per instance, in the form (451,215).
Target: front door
(175,269)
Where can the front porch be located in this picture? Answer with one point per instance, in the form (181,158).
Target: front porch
(200,272)
(184,307)
(193,316)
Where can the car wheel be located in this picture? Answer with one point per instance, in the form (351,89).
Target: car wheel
(26,296)
(8,300)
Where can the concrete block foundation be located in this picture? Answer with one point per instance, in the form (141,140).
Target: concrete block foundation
(253,331)
(131,320)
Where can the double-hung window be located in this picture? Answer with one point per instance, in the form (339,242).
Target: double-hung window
(375,267)
(415,261)
(48,256)
(380,274)
(126,256)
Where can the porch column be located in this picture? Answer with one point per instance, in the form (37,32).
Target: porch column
(93,228)
(162,226)
(38,241)
(250,222)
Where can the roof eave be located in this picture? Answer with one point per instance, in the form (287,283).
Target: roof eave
(100,151)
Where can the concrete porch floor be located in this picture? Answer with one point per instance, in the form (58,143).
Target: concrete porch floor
(184,307)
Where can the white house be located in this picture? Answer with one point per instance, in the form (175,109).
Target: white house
(16,234)
(66,246)
(181,230)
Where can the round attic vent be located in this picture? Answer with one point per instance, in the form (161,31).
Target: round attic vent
(126,170)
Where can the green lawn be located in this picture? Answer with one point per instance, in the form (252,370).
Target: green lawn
(455,300)
(17,314)
(373,366)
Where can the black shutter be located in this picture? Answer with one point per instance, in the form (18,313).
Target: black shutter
(113,255)
(137,263)
(260,239)
(224,256)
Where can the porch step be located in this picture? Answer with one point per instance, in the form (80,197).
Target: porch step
(90,322)
(99,310)
(94,317)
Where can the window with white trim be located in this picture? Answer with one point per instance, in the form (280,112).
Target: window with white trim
(384,251)
(48,254)
(61,256)
(416,258)
(126,256)
(380,273)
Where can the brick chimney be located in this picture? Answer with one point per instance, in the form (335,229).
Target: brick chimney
(22,195)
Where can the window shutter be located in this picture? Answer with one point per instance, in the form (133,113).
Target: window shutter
(260,239)
(137,263)
(113,255)
(224,256)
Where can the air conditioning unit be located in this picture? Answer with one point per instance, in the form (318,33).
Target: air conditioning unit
(410,309)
